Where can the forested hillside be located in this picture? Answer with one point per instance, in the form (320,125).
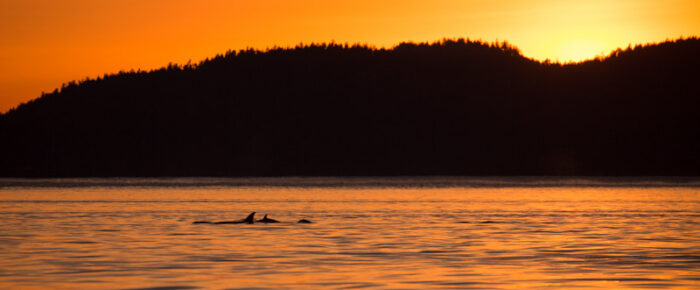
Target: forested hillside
(455,107)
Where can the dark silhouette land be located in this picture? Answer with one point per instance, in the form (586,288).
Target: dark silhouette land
(455,107)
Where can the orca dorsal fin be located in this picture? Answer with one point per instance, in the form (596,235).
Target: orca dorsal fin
(250,218)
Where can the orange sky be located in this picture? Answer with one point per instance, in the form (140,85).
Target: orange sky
(44,43)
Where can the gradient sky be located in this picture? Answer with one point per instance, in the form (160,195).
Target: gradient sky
(45,43)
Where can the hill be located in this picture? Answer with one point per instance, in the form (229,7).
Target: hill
(455,107)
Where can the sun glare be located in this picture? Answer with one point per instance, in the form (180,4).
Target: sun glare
(46,43)
(575,50)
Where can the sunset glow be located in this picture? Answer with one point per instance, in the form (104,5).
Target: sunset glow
(46,43)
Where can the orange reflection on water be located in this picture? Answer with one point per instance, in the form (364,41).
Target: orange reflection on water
(416,238)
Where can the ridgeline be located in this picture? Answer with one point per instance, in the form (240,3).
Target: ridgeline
(455,107)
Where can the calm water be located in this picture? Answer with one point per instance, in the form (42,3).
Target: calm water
(397,234)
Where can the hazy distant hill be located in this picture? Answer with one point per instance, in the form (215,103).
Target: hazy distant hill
(451,108)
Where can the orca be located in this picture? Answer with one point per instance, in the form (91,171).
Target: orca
(265,219)
(248,220)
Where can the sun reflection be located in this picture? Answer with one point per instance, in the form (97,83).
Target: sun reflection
(423,237)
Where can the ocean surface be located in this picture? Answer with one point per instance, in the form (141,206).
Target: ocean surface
(391,233)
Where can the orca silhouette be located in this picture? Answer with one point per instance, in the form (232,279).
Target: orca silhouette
(248,220)
(265,219)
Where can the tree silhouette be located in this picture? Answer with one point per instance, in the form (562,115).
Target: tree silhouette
(453,107)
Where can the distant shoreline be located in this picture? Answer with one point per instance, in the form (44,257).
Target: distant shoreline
(450,108)
(357,182)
